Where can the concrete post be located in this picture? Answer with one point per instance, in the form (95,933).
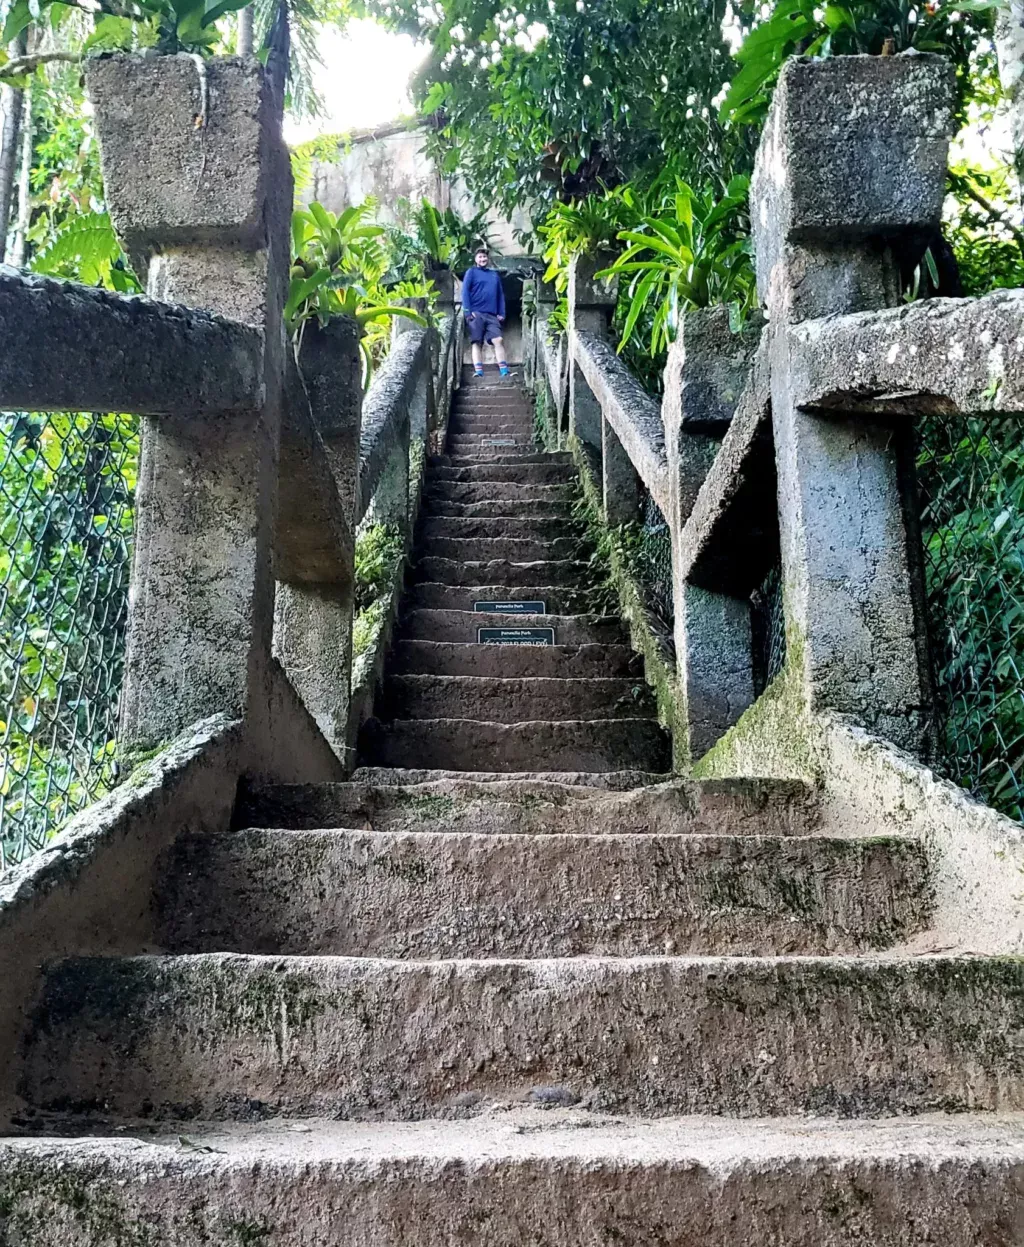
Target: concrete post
(852,159)
(621,487)
(313,622)
(199,187)
(707,368)
(591,304)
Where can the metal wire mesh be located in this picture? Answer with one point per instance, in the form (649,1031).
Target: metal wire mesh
(971,478)
(67,485)
(652,561)
(767,629)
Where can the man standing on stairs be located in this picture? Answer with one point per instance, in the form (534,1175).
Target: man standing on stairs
(483,304)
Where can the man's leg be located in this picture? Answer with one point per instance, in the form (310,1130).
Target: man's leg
(499,355)
(478,359)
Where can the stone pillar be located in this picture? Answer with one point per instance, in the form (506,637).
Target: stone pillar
(198,182)
(591,304)
(708,367)
(313,621)
(621,487)
(852,159)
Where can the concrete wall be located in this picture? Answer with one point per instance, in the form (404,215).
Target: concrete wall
(393,167)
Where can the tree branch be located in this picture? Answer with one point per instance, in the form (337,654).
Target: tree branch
(995,213)
(22,65)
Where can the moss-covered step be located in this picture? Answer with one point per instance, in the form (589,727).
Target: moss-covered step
(512,700)
(503,571)
(457,894)
(224,1036)
(462,626)
(506,805)
(509,661)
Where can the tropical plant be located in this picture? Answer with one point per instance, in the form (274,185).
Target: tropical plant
(586,225)
(338,264)
(690,254)
(447,240)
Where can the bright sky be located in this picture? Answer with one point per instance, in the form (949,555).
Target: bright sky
(364,79)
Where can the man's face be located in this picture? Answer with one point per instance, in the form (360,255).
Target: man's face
(481,259)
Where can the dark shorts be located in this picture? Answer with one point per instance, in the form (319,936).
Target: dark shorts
(483,327)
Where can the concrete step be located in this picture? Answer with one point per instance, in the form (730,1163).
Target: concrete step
(594,781)
(495,491)
(434,894)
(499,508)
(512,700)
(558,600)
(476,443)
(526,1177)
(491,549)
(490,425)
(530,805)
(492,456)
(528,527)
(517,474)
(565,662)
(461,626)
(568,573)
(226,1036)
(472,745)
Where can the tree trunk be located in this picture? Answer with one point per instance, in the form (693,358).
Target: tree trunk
(19,251)
(13,104)
(245,35)
(1010,51)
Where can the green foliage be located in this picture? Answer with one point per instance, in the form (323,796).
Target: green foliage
(446,239)
(169,25)
(987,241)
(338,265)
(972,480)
(692,253)
(379,550)
(548,101)
(582,227)
(873,27)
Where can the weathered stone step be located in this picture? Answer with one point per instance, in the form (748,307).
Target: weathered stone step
(461,627)
(500,507)
(594,781)
(434,894)
(472,745)
(537,528)
(514,450)
(512,700)
(447,571)
(495,491)
(223,1035)
(564,662)
(528,805)
(491,456)
(490,426)
(490,549)
(524,474)
(558,599)
(537,1176)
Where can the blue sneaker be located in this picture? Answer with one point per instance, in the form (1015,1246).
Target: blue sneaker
(478,372)
(503,370)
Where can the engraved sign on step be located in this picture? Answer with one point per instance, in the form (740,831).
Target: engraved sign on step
(510,608)
(515,636)
(497,441)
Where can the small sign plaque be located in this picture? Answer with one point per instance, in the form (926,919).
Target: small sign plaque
(498,441)
(515,636)
(510,608)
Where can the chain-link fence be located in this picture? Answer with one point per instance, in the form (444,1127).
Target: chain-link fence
(67,485)
(971,474)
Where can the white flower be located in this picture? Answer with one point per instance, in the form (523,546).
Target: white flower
(580,6)
(587,81)
(521,20)
(496,58)
(484,62)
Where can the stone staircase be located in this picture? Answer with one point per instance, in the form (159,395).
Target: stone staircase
(513,986)
(497,527)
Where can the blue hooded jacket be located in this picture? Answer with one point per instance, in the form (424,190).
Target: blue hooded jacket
(482,292)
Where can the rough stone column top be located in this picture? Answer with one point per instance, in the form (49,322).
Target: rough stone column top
(181,145)
(854,148)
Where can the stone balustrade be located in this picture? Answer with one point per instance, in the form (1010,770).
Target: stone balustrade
(787,446)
